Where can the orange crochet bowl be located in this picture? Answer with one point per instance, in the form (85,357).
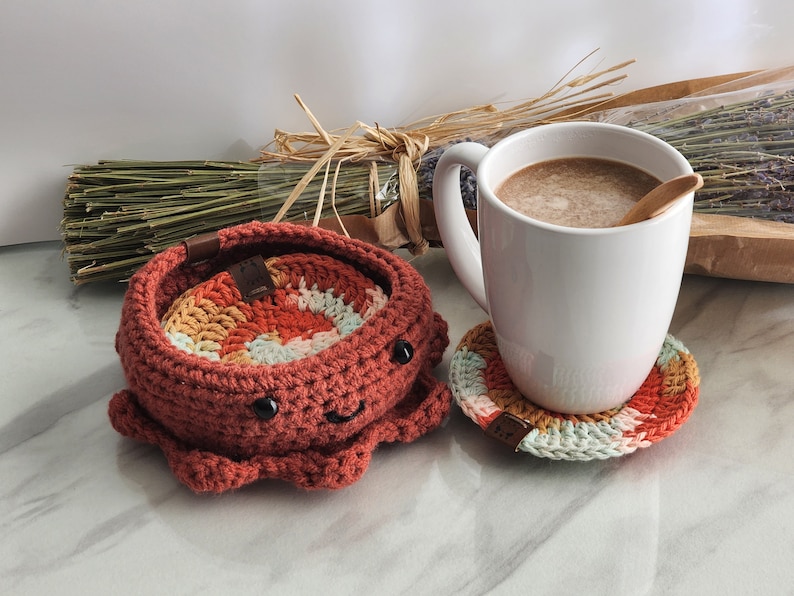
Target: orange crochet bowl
(284,352)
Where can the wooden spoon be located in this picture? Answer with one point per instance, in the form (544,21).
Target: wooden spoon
(661,198)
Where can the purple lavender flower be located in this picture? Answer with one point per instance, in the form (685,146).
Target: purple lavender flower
(427,168)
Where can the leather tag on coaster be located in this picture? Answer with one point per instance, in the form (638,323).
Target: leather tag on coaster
(252,278)
(508,429)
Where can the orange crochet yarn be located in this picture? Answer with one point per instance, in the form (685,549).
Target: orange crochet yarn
(301,384)
(485,393)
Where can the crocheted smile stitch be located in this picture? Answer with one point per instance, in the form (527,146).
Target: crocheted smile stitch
(301,383)
(485,393)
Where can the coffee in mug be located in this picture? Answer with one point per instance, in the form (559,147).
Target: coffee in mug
(579,313)
(581,192)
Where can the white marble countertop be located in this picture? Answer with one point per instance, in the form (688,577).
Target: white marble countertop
(86,511)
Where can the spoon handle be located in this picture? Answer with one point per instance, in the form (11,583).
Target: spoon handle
(661,198)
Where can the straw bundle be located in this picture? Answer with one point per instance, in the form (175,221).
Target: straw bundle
(118,214)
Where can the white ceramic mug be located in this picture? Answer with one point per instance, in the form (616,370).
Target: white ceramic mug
(579,314)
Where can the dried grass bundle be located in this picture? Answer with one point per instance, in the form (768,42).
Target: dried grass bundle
(118,214)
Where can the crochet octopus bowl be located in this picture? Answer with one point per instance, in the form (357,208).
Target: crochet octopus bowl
(300,384)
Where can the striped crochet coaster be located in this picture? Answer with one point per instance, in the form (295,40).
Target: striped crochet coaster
(486,394)
(315,301)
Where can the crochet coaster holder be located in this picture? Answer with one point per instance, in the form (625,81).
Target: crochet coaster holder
(485,393)
(277,351)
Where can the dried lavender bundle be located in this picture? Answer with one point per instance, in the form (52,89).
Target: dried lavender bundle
(745,153)
(427,167)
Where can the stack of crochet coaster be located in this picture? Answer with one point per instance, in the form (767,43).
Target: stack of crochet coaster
(280,351)
(316,301)
(485,393)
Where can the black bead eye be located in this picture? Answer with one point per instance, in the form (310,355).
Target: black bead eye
(265,407)
(403,351)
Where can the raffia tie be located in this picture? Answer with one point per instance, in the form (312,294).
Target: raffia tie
(572,96)
(404,147)
(407,150)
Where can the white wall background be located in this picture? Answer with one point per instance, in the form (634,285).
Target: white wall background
(83,80)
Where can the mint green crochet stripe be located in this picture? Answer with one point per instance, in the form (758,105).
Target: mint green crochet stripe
(670,351)
(582,441)
(266,350)
(465,374)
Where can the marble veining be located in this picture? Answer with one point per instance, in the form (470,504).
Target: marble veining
(86,511)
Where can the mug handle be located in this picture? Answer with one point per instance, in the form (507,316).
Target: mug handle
(460,242)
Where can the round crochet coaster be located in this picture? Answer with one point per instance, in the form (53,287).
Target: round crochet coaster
(485,393)
(316,300)
(277,351)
